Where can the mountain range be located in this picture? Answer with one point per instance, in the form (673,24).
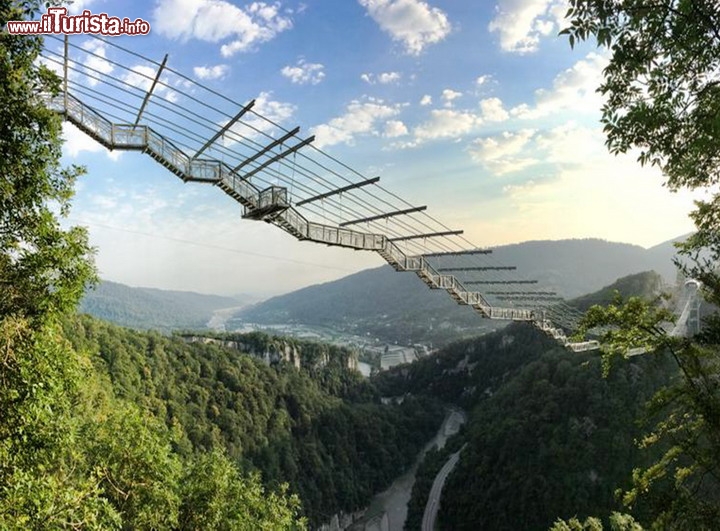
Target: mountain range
(150,308)
(380,302)
(400,308)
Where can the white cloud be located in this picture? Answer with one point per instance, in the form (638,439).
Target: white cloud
(252,124)
(304,73)
(394,129)
(564,146)
(383,78)
(446,123)
(211,72)
(360,118)
(274,110)
(219,20)
(388,77)
(426,100)
(414,23)
(493,111)
(572,90)
(76,142)
(142,76)
(580,183)
(449,95)
(504,153)
(96,61)
(522,23)
(483,80)
(77,6)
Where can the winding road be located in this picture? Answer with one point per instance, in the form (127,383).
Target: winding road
(433,503)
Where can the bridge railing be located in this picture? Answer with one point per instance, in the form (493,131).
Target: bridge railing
(167,151)
(93,121)
(297,221)
(126,136)
(141,137)
(345,237)
(248,194)
(205,170)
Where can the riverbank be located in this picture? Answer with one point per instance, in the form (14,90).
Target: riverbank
(388,509)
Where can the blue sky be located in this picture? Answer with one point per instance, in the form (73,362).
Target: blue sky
(475,108)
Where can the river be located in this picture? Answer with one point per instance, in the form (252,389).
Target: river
(388,510)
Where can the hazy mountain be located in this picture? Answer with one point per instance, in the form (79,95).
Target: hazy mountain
(646,285)
(398,306)
(577,267)
(149,308)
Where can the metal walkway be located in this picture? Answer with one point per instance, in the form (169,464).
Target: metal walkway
(282,180)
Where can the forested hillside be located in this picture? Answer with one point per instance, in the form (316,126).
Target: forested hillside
(153,309)
(647,285)
(321,429)
(398,307)
(547,435)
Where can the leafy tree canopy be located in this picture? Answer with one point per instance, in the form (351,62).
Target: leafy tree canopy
(662,89)
(662,83)
(43,268)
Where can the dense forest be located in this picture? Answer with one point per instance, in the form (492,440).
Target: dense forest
(321,429)
(548,436)
(555,440)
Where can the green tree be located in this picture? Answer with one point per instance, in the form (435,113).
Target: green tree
(683,485)
(661,85)
(44,269)
(43,272)
(662,93)
(618,522)
(217,496)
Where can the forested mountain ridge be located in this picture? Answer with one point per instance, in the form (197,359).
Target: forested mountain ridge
(547,435)
(399,307)
(321,428)
(150,308)
(646,285)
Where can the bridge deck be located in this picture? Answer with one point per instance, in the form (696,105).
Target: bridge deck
(272,205)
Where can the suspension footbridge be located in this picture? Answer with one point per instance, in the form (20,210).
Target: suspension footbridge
(131,102)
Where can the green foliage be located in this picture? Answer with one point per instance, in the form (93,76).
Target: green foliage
(682,484)
(646,285)
(618,522)
(136,469)
(72,454)
(662,94)
(321,429)
(43,268)
(217,497)
(663,97)
(635,326)
(43,272)
(547,436)
(465,371)
(41,486)
(555,439)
